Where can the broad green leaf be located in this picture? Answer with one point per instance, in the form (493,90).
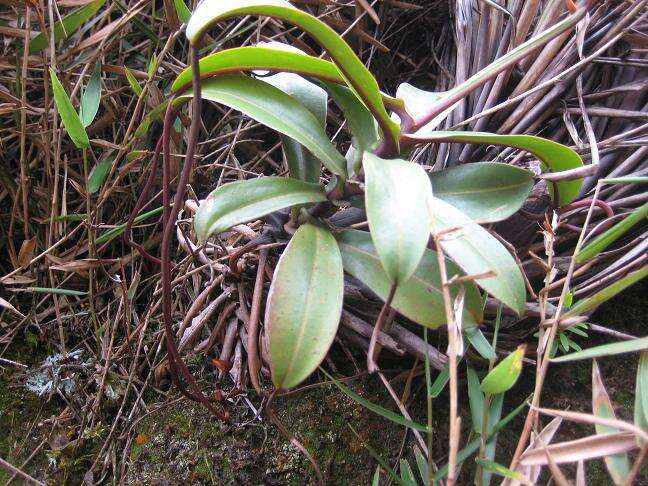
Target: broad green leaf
(241,201)
(98,174)
(609,236)
(621,347)
(476,400)
(375,408)
(476,251)
(480,343)
(484,191)
(67,26)
(304,305)
(275,109)
(301,163)
(420,298)
(553,156)
(69,116)
(641,393)
(397,194)
(156,114)
(183,12)
(618,465)
(134,84)
(594,300)
(357,75)
(91,97)
(505,374)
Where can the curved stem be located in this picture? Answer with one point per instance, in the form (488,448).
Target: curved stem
(170,216)
(128,230)
(372,367)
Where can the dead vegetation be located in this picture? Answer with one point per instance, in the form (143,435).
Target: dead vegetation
(74,288)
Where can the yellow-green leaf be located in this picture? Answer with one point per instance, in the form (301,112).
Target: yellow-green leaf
(505,374)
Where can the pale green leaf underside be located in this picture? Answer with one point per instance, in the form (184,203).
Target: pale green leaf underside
(476,251)
(304,305)
(505,374)
(241,201)
(275,109)
(397,195)
(419,298)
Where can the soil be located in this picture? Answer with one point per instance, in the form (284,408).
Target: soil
(179,443)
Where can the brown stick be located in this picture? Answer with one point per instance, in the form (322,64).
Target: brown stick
(254,363)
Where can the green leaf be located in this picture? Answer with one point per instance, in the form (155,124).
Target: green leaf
(376,477)
(495,468)
(476,400)
(301,163)
(241,201)
(358,117)
(69,116)
(418,102)
(118,230)
(407,476)
(134,84)
(421,463)
(484,191)
(304,305)
(183,12)
(641,393)
(98,174)
(440,382)
(621,347)
(56,291)
(377,409)
(266,57)
(594,300)
(609,236)
(420,298)
(494,415)
(553,156)
(505,374)
(618,465)
(354,71)
(476,251)
(91,97)
(397,195)
(275,109)
(480,343)
(67,26)
(474,445)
